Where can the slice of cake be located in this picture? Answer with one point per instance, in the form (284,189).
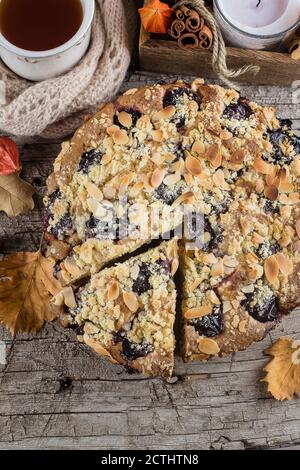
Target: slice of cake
(127,312)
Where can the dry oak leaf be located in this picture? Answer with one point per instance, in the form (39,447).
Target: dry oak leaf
(15,195)
(26,287)
(283,371)
(156,16)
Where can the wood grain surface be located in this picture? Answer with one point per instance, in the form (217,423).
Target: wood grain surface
(57,394)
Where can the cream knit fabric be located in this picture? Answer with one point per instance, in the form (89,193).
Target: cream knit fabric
(56,107)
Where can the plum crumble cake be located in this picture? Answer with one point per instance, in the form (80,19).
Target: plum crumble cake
(169,149)
(127,312)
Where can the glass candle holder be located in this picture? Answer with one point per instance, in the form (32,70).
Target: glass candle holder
(239,31)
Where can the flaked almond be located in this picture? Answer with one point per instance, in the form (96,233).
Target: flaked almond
(209,258)
(71,266)
(245,225)
(109,192)
(120,137)
(208,346)
(93,205)
(285,264)
(285,240)
(113,290)
(69,297)
(173,248)
(296,246)
(271,269)
(219,180)
(235,304)
(158,158)
(146,180)
(131,91)
(289,200)
(263,167)
(225,135)
(136,189)
(170,180)
(297,227)
(158,135)
(271,192)
(125,181)
(174,266)
(260,186)
(131,301)
(198,312)
(166,113)
(205,181)
(196,283)
(198,147)
(193,165)
(58,300)
(197,84)
(112,130)
(217,269)
(213,298)
(125,119)
(243,326)
(94,191)
(183,199)
(247,289)
(295,166)
(157,177)
(257,238)
(106,159)
(238,157)
(230,261)
(285,211)
(214,155)
(251,258)
(226,306)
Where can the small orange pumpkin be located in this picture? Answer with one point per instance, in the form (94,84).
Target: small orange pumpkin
(156,17)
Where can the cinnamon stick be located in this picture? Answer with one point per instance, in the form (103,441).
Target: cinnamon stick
(177,27)
(205,38)
(188,41)
(194,22)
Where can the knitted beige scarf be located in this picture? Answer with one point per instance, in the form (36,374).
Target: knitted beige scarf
(56,107)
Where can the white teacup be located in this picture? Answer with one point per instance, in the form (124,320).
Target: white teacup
(40,65)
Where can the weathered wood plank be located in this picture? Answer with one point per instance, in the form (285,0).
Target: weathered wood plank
(55,393)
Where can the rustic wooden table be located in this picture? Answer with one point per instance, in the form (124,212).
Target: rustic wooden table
(57,394)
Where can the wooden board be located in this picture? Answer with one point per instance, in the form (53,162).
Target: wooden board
(164,56)
(57,394)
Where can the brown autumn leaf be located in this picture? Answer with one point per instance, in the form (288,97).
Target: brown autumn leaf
(15,195)
(283,371)
(26,286)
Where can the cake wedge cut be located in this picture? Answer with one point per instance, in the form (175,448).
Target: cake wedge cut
(127,312)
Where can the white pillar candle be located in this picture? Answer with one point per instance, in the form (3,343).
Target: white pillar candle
(257,24)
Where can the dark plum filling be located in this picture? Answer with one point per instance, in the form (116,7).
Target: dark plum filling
(240,110)
(53,197)
(210,325)
(101,230)
(135,114)
(196,226)
(166,194)
(132,351)
(218,207)
(174,96)
(165,265)
(142,284)
(267,249)
(88,159)
(63,228)
(262,311)
(271,207)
